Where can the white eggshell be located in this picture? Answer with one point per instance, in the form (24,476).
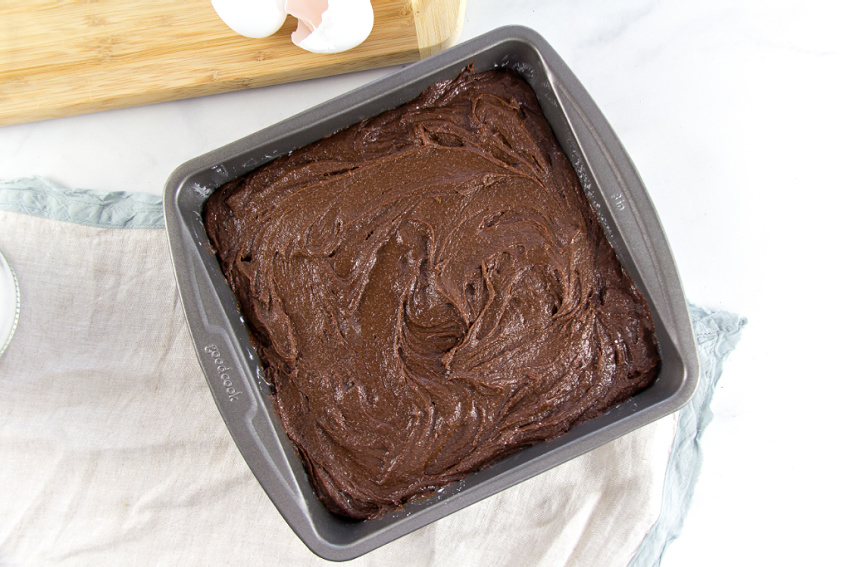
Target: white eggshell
(345,24)
(252,18)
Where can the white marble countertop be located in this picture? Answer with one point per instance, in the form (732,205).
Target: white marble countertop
(736,116)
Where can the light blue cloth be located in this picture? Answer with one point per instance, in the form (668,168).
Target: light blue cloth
(717,334)
(104,209)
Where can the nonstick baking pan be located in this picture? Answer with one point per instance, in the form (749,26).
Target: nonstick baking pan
(234,373)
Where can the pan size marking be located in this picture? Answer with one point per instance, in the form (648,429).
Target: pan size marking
(619,201)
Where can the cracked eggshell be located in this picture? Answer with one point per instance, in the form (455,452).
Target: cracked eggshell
(342,25)
(252,18)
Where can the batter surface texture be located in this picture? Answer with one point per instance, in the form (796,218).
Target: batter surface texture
(429,291)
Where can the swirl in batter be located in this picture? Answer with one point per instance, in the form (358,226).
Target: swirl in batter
(430,291)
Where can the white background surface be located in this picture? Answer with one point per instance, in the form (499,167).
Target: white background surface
(736,115)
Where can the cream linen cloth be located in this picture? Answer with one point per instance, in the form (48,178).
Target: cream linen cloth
(112,451)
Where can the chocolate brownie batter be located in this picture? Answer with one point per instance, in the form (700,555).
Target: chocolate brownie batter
(430,291)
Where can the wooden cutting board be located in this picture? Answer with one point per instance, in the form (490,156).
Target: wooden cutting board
(59,58)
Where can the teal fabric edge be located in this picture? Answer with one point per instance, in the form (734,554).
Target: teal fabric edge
(717,333)
(103,209)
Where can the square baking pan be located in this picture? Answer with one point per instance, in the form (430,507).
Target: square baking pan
(234,373)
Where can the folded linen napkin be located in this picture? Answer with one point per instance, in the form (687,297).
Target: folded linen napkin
(113,452)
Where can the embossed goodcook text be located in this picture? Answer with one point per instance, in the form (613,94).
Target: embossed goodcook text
(223,372)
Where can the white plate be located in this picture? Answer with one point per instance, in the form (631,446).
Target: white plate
(10,303)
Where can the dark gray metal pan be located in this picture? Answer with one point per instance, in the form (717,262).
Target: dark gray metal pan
(231,366)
